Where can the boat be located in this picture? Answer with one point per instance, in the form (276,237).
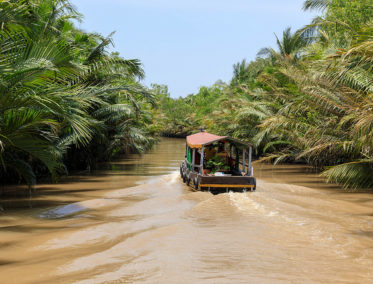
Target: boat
(217,164)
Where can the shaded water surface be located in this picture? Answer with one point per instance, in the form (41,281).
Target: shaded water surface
(135,221)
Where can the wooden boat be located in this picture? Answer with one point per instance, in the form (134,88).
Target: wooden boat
(217,164)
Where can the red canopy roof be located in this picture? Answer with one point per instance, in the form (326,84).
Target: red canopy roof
(199,139)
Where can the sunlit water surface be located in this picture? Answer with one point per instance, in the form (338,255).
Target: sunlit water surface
(136,222)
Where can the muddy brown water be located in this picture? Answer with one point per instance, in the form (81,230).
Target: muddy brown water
(136,222)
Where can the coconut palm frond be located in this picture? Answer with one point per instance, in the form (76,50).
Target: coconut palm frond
(275,143)
(357,174)
(316,4)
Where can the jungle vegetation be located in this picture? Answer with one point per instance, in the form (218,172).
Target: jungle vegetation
(308,100)
(66,103)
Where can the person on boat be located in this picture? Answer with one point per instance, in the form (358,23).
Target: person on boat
(221,151)
(209,154)
(223,154)
(197,160)
(230,161)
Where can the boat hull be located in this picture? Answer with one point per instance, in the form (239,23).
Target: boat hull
(217,184)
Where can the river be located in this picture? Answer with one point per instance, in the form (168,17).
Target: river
(134,221)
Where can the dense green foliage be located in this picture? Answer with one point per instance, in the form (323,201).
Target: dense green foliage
(309,100)
(65,102)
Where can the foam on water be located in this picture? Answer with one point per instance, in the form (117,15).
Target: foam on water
(245,203)
(78,207)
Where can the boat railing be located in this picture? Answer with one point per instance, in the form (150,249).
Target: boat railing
(249,170)
(191,164)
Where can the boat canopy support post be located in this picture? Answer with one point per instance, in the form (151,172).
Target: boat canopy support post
(193,158)
(201,162)
(243,160)
(250,169)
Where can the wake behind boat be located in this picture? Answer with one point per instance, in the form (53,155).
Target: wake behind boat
(217,164)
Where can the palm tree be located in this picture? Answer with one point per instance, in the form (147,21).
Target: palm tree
(61,93)
(316,5)
(289,46)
